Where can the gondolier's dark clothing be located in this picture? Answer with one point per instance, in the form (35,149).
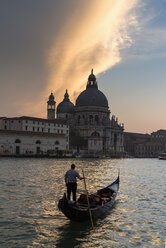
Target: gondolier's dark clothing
(71,187)
(71,183)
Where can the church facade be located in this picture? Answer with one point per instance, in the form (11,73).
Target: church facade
(92,131)
(85,128)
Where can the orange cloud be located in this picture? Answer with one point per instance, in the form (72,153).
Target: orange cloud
(91,38)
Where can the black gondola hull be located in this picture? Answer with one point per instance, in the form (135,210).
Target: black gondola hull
(75,212)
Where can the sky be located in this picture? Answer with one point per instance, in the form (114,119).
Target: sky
(50,46)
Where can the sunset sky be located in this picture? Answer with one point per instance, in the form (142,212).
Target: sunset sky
(51,45)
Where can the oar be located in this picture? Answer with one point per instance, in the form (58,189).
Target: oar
(90,214)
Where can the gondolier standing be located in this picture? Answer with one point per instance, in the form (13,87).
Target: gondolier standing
(71,182)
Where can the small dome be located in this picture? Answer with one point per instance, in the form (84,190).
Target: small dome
(65,106)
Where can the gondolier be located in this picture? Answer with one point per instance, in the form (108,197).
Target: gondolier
(71,182)
(100,203)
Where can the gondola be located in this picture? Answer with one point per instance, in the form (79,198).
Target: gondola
(100,203)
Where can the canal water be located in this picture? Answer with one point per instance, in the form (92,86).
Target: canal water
(30,189)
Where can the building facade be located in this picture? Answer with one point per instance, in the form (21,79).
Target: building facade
(143,145)
(84,128)
(31,136)
(159,136)
(92,132)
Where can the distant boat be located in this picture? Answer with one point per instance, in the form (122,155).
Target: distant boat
(162,156)
(100,203)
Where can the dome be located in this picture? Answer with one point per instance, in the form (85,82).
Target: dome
(65,106)
(92,96)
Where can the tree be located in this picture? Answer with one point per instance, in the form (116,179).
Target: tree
(75,140)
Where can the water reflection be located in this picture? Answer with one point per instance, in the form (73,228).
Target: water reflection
(31,188)
(73,234)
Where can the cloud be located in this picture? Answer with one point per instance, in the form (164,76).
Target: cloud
(53,45)
(149,36)
(91,38)
(151,44)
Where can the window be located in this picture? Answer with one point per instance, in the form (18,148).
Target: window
(17,141)
(38,129)
(48,130)
(95,134)
(26,128)
(56,142)
(38,142)
(90,119)
(33,129)
(96,119)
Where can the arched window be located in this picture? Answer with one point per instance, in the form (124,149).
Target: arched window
(17,141)
(91,119)
(38,142)
(95,134)
(96,119)
(56,142)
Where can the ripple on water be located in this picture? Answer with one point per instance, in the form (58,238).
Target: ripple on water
(31,188)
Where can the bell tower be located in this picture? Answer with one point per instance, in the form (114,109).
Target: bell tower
(51,108)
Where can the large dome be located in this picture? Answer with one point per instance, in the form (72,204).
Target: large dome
(92,96)
(65,106)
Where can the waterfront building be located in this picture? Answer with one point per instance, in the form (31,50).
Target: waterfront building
(33,136)
(84,128)
(142,145)
(159,136)
(92,132)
